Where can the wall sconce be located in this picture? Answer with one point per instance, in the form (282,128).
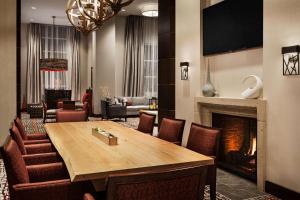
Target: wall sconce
(291,60)
(184,70)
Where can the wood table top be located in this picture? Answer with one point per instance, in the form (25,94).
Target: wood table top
(88,158)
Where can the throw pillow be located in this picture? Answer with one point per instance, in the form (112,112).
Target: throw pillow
(129,102)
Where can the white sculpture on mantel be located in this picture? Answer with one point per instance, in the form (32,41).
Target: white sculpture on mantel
(253,92)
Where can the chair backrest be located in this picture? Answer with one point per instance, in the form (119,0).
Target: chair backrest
(71,116)
(204,140)
(16,136)
(146,123)
(21,128)
(14,164)
(68,105)
(171,130)
(180,184)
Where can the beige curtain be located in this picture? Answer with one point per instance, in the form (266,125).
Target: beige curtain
(48,41)
(33,80)
(141,57)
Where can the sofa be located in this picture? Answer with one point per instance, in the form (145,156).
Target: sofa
(133,104)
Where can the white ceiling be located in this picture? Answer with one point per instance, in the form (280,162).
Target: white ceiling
(45,9)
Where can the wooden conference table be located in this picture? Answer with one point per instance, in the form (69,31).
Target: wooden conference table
(88,158)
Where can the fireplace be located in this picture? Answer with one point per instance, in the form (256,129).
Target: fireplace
(237,151)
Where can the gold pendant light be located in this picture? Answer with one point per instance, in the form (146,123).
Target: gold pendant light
(89,15)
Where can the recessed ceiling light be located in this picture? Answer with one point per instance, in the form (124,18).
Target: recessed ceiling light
(150,10)
(123,10)
(150,13)
(33,8)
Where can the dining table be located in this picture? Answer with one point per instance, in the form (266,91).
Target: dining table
(88,158)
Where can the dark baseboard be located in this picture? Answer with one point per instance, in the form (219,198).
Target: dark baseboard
(281,192)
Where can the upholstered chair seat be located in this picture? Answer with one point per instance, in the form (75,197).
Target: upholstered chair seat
(205,140)
(32,138)
(171,130)
(36,182)
(146,123)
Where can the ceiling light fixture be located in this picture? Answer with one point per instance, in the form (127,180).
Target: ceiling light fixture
(150,10)
(89,15)
(33,8)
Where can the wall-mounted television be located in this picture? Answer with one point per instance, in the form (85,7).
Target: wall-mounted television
(232,25)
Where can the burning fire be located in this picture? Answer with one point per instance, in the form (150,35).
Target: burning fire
(253,147)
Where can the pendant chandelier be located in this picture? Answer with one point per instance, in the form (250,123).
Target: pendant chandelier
(89,15)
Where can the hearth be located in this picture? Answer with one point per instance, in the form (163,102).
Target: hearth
(238,151)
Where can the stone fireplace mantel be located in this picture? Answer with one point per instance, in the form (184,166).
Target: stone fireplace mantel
(256,108)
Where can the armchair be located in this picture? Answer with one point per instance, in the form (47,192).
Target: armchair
(30,148)
(110,111)
(205,140)
(47,182)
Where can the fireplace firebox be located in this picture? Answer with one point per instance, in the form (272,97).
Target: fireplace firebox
(237,150)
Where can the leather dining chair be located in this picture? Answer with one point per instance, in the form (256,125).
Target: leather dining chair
(32,138)
(171,130)
(146,123)
(205,140)
(30,148)
(175,184)
(35,182)
(63,115)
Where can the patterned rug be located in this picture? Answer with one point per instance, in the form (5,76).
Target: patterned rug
(36,125)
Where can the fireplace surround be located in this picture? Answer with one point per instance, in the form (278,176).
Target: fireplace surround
(206,107)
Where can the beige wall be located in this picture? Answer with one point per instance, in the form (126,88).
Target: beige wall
(228,71)
(281,28)
(8,66)
(188,48)
(105,58)
(109,59)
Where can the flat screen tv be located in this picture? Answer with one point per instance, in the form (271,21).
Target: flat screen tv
(232,25)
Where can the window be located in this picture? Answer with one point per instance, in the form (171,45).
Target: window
(54,45)
(150,70)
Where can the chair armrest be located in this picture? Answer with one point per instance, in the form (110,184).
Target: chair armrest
(39,148)
(36,159)
(47,172)
(49,190)
(37,136)
(36,141)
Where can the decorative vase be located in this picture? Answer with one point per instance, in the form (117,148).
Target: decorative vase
(208,89)
(255,91)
